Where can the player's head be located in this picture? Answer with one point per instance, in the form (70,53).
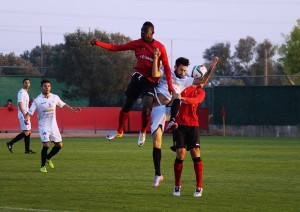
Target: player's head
(181,66)
(45,86)
(26,83)
(147,32)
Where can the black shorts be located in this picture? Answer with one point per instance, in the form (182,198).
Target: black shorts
(186,137)
(140,85)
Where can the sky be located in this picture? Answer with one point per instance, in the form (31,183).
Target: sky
(185,27)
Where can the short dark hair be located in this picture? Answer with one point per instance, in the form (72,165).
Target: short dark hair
(182,61)
(9,100)
(44,81)
(148,24)
(25,80)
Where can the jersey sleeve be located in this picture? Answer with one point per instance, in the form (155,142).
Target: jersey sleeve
(167,69)
(20,96)
(59,102)
(32,108)
(114,47)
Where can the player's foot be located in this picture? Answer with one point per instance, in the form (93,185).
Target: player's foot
(157,180)
(176,191)
(50,163)
(198,192)
(172,126)
(142,139)
(113,135)
(43,169)
(9,147)
(173,148)
(30,152)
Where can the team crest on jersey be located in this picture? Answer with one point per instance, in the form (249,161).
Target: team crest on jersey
(196,92)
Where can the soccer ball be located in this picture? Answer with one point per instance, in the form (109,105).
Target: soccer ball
(198,71)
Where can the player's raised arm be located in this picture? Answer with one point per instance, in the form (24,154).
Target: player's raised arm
(167,69)
(155,67)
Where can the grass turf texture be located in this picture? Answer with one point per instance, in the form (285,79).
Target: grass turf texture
(93,174)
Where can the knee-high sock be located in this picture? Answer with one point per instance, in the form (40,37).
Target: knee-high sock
(27,142)
(123,117)
(178,166)
(198,167)
(156,160)
(44,155)
(17,138)
(175,109)
(145,121)
(53,152)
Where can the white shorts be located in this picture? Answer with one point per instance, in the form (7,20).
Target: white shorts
(23,126)
(50,135)
(159,115)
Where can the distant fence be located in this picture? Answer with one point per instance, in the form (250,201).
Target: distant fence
(90,118)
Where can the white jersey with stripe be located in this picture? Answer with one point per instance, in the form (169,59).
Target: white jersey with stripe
(46,108)
(23,97)
(179,84)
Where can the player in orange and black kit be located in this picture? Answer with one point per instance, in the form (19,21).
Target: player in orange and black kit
(186,137)
(142,81)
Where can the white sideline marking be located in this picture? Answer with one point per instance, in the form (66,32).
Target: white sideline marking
(30,209)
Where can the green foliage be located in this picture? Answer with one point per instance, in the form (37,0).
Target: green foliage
(14,65)
(91,72)
(290,52)
(92,174)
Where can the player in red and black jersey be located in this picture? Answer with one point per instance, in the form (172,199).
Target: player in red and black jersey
(142,82)
(186,137)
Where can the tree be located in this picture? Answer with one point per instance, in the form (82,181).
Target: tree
(223,68)
(14,65)
(290,52)
(91,72)
(243,56)
(264,64)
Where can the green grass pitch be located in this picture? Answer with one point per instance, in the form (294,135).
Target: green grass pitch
(93,174)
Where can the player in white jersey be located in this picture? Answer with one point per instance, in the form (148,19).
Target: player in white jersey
(23,101)
(161,111)
(45,104)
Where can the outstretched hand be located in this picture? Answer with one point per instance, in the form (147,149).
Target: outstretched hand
(76,109)
(93,42)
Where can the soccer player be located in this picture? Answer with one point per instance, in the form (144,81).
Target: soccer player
(142,81)
(164,101)
(23,102)
(45,104)
(186,137)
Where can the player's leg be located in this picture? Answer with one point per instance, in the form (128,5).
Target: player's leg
(20,136)
(44,152)
(56,138)
(174,111)
(193,146)
(178,138)
(132,93)
(27,142)
(156,154)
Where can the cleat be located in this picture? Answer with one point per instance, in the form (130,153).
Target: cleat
(50,163)
(157,180)
(43,169)
(9,147)
(198,192)
(142,139)
(172,126)
(30,152)
(113,135)
(176,191)
(173,148)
